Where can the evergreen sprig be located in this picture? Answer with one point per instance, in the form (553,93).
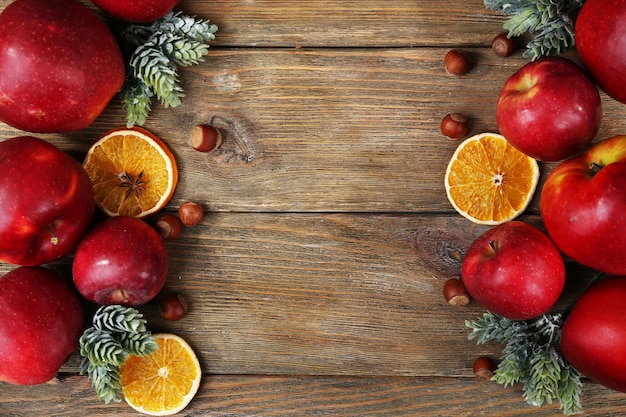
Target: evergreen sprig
(116,333)
(531,357)
(119,319)
(552,22)
(190,27)
(176,40)
(136,100)
(158,72)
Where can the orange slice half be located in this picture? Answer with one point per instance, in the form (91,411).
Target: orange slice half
(133,173)
(488,181)
(164,382)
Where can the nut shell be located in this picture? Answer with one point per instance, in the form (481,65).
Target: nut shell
(173,307)
(457,62)
(484,368)
(190,213)
(503,46)
(455,293)
(205,138)
(169,226)
(454,126)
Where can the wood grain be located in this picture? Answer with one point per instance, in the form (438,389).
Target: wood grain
(323,294)
(324,130)
(396,23)
(315,280)
(283,395)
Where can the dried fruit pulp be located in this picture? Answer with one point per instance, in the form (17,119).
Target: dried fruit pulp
(164,382)
(488,181)
(132,171)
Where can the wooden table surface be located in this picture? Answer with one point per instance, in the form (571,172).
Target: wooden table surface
(315,280)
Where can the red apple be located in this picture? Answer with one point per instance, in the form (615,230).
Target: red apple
(583,206)
(550,109)
(61,65)
(138,10)
(600,36)
(41,320)
(46,201)
(122,260)
(514,270)
(593,339)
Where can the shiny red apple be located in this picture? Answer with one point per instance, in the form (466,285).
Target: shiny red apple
(514,270)
(550,109)
(41,320)
(593,339)
(600,35)
(60,65)
(141,11)
(46,201)
(583,206)
(122,260)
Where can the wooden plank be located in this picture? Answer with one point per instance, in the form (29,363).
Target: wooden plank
(354,23)
(304,298)
(372,23)
(265,396)
(323,130)
(328,294)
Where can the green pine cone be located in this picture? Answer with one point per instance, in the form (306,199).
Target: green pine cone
(190,27)
(157,72)
(117,318)
(136,100)
(101,348)
(181,50)
(107,382)
(138,344)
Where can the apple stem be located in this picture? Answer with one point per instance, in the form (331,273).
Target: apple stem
(118,296)
(54,239)
(595,168)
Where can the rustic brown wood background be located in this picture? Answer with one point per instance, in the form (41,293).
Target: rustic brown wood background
(315,280)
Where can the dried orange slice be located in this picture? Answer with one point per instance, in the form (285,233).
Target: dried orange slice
(133,173)
(164,382)
(488,181)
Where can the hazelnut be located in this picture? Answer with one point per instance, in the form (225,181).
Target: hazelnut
(456,62)
(503,46)
(454,126)
(173,307)
(169,226)
(205,138)
(455,293)
(484,368)
(190,213)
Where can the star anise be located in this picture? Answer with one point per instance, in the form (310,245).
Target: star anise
(134,184)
